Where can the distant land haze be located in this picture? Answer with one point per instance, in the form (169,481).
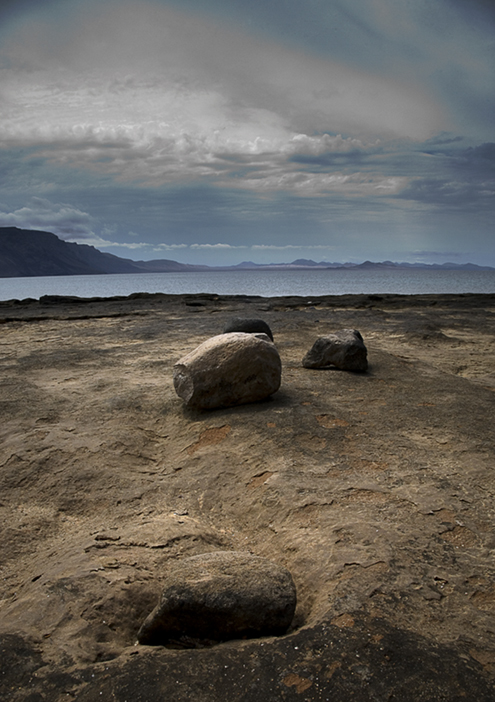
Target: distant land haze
(28,253)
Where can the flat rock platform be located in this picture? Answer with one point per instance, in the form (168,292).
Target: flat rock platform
(376,490)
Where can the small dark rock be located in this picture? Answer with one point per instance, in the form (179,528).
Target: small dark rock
(219,596)
(344,349)
(250,326)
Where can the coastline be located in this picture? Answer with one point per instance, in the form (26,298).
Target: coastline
(144,300)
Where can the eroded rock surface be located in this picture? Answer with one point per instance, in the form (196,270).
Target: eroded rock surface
(229,369)
(220,596)
(375,490)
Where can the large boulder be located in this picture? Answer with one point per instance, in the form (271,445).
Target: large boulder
(219,596)
(344,349)
(229,369)
(248,325)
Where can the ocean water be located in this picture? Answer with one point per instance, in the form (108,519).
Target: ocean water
(267,283)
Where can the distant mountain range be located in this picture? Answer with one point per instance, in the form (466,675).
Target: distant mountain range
(26,252)
(302,263)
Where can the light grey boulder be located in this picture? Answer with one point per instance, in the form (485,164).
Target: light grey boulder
(220,596)
(344,349)
(249,325)
(228,369)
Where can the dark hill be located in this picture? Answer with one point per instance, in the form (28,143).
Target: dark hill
(27,252)
(36,253)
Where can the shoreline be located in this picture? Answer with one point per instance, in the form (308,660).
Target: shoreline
(142,299)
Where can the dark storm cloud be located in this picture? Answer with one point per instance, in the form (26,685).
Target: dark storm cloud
(460,195)
(11,8)
(481,158)
(482,11)
(443,140)
(330,159)
(467,182)
(345,128)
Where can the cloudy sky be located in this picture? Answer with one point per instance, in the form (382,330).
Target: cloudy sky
(220,131)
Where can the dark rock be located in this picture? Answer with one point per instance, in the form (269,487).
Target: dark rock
(344,349)
(250,326)
(220,596)
(228,369)
(371,660)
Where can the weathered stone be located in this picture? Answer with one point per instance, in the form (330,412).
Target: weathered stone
(250,326)
(220,596)
(344,349)
(228,369)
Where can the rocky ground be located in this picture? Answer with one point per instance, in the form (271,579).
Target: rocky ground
(375,490)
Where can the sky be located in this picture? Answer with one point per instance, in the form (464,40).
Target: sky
(221,131)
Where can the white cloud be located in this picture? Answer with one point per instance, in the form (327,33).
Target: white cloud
(132,246)
(320,184)
(109,229)
(153,154)
(66,221)
(216,246)
(274,247)
(317,145)
(154,95)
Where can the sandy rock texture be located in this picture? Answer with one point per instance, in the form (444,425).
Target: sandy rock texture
(228,369)
(375,490)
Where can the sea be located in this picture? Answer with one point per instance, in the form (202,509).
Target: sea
(263,282)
